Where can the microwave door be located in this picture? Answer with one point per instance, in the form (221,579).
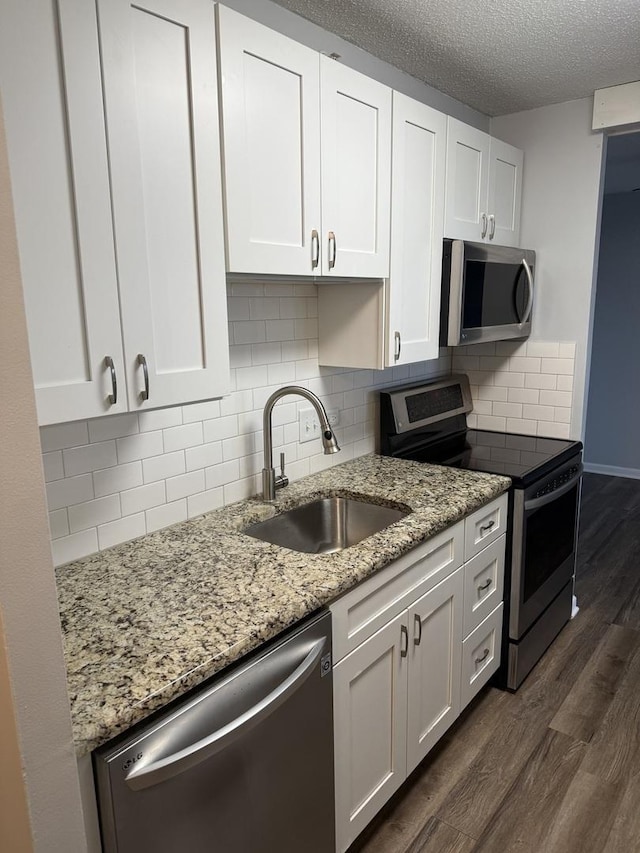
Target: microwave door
(491,293)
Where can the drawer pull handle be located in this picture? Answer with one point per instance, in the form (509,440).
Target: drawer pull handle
(333,250)
(418,624)
(404,638)
(485,527)
(315,249)
(483,658)
(485,585)
(142,361)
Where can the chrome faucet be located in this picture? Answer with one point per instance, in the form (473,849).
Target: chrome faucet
(269,480)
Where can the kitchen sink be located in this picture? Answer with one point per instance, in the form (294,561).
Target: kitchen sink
(325,525)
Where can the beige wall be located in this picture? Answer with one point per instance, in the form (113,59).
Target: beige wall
(32,667)
(561,197)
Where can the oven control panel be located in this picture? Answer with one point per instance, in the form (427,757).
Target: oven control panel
(565,477)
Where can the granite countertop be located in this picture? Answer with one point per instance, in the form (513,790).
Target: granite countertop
(146,621)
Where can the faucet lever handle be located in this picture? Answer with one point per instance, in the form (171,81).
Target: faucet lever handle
(282,479)
(282,465)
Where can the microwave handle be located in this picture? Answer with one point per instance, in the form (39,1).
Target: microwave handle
(529,306)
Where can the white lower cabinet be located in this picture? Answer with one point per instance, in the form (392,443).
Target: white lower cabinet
(412,646)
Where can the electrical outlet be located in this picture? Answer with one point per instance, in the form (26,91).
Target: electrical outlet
(310,425)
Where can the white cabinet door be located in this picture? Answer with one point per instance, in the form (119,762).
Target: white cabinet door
(417,228)
(466,214)
(370,707)
(271,107)
(505,193)
(356,172)
(160,79)
(51,88)
(435,624)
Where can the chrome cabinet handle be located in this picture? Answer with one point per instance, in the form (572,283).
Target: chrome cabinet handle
(398,346)
(404,637)
(483,217)
(492,229)
(418,624)
(142,361)
(333,250)
(113,397)
(483,658)
(485,527)
(484,585)
(315,249)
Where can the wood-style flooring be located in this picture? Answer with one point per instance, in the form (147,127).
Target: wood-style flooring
(555,767)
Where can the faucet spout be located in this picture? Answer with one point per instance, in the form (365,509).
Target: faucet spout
(269,480)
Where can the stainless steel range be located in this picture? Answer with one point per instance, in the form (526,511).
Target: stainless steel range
(427,423)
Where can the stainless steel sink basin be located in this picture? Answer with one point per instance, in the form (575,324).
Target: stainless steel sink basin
(325,525)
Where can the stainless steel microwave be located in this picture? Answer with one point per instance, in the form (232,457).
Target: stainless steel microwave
(487,293)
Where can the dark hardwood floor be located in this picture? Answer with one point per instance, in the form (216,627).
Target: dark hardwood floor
(555,767)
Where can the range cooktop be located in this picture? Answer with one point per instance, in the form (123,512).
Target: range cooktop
(427,423)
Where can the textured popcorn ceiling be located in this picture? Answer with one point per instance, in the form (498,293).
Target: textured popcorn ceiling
(498,56)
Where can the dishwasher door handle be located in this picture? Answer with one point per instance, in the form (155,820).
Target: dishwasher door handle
(166,767)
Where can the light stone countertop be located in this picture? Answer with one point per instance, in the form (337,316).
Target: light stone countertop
(147,620)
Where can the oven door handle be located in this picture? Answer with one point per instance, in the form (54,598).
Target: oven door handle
(536,503)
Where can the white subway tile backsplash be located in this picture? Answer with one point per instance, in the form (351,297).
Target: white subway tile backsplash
(204,502)
(556,398)
(117,479)
(90,457)
(187,460)
(553,430)
(558,365)
(567,349)
(546,381)
(184,485)
(219,428)
(166,514)
(200,411)
(523,395)
(180,437)
(161,467)
(93,513)
(59,523)
(53,467)
(143,497)
(562,415)
(537,413)
(61,436)
(121,530)
(565,383)
(203,455)
(114,426)
(70,491)
(524,364)
(160,419)
(249,332)
(543,349)
(140,446)
(491,422)
(74,547)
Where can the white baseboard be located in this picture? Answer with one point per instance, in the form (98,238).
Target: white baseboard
(612,470)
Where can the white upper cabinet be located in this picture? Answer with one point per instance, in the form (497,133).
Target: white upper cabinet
(51,88)
(307,158)
(417,223)
(356,172)
(270,95)
(160,80)
(483,187)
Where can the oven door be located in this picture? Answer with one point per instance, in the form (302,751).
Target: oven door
(491,293)
(545,522)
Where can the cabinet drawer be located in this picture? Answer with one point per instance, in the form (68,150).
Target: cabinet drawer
(366,608)
(481,655)
(483,584)
(485,525)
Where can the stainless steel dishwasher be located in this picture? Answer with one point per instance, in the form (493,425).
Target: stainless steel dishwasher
(243,766)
